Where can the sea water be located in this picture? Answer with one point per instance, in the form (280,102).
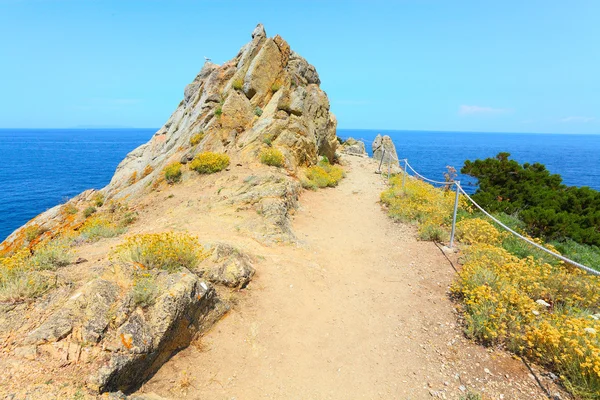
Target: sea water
(43,167)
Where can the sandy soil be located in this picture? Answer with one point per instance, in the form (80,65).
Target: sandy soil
(358,309)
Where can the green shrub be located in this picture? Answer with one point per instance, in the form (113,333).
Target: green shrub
(238,84)
(51,255)
(19,279)
(101,226)
(170,251)
(272,157)
(173,173)
(433,233)
(89,211)
(98,199)
(276,86)
(34,231)
(548,208)
(581,253)
(197,138)
(209,163)
(69,209)
(23,285)
(258,111)
(219,111)
(145,290)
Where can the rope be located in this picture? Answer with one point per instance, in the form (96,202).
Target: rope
(427,179)
(565,259)
(531,242)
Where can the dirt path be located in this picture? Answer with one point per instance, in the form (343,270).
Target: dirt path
(358,310)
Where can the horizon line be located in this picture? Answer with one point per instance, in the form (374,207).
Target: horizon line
(347,129)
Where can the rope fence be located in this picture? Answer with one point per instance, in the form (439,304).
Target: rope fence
(459,190)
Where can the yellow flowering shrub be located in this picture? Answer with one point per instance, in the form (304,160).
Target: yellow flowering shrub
(323,175)
(477,230)
(419,201)
(512,294)
(100,226)
(273,157)
(168,250)
(209,163)
(173,172)
(500,292)
(20,278)
(196,138)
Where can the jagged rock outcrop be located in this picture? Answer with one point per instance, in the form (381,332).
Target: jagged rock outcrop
(267,92)
(383,147)
(354,147)
(91,318)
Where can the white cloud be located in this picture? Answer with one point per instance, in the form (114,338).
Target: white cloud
(473,110)
(577,119)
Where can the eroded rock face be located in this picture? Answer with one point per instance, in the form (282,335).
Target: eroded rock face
(150,337)
(266,91)
(383,147)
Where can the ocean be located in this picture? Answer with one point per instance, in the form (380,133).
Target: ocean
(43,167)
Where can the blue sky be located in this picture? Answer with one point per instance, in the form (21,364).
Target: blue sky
(507,66)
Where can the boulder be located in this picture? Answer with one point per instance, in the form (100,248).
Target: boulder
(354,147)
(229,267)
(383,148)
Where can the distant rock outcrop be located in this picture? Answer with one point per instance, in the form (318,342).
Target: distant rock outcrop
(354,147)
(383,148)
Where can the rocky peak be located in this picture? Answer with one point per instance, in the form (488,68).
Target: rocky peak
(267,93)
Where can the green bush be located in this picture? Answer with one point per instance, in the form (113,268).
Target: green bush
(98,199)
(145,290)
(272,157)
(548,208)
(433,233)
(173,172)
(89,211)
(51,255)
(258,111)
(209,163)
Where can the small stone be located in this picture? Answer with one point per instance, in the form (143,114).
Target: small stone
(535,312)
(487,371)
(590,330)
(543,303)
(462,388)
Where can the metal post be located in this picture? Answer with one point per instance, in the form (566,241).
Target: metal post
(381,162)
(457,183)
(404,173)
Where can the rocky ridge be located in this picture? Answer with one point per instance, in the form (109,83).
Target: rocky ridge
(86,331)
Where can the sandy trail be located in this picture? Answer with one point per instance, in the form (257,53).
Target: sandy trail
(359,309)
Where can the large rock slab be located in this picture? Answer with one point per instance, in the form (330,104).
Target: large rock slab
(383,148)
